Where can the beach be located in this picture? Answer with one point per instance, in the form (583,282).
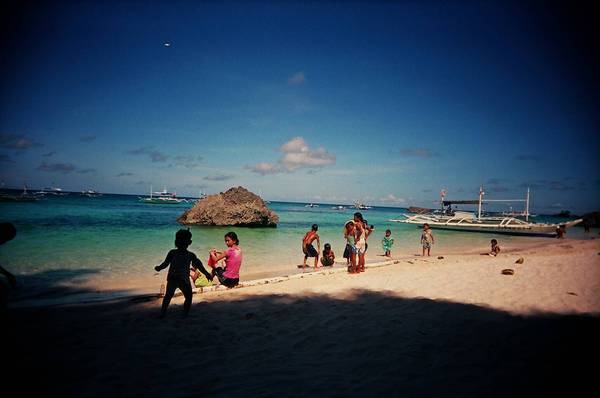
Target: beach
(415,326)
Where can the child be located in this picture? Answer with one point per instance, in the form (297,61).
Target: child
(179,260)
(328,256)
(230,275)
(427,239)
(308,249)
(495,248)
(349,237)
(387,243)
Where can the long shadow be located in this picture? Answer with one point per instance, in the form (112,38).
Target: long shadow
(55,286)
(279,345)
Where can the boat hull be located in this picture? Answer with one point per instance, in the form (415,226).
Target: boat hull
(546,230)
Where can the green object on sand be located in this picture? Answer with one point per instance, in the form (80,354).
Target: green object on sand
(201,281)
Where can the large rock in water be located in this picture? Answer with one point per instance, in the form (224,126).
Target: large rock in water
(237,206)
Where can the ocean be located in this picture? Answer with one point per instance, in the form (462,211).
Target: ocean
(73,244)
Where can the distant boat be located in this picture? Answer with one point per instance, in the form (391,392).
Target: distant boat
(476,222)
(23,197)
(54,191)
(311,205)
(361,206)
(338,208)
(162,198)
(90,193)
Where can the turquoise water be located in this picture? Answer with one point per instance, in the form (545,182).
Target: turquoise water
(115,240)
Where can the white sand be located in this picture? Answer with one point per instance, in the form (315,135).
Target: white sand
(421,327)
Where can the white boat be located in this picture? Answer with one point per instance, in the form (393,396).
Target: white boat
(311,205)
(476,222)
(90,193)
(338,208)
(361,206)
(163,197)
(51,191)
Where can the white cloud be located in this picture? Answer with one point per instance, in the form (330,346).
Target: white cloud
(296,155)
(264,168)
(392,199)
(297,79)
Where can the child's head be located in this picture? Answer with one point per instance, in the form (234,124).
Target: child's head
(314,227)
(425,226)
(349,226)
(183,238)
(358,217)
(231,239)
(388,232)
(327,247)
(494,242)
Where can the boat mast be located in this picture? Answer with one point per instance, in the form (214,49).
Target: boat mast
(481,193)
(527,206)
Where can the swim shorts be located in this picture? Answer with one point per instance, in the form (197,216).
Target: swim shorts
(310,251)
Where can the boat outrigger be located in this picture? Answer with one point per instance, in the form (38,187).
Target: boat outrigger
(476,222)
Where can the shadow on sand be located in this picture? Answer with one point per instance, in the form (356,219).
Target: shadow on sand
(279,345)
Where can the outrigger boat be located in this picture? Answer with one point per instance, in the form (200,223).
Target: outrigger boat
(476,222)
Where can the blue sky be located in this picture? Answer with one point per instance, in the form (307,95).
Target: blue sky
(321,101)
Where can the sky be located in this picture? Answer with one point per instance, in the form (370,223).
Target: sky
(332,102)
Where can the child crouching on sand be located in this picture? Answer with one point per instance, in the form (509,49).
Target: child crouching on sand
(179,260)
(230,275)
(495,248)
(328,257)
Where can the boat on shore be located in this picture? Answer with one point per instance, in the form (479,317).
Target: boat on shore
(477,222)
(163,197)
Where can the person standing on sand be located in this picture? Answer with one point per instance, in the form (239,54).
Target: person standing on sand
(349,237)
(308,249)
(360,241)
(387,242)
(7,232)
(427,239)
(179,260)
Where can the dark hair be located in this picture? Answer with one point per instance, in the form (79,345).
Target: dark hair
(494,241)
(358,215)
(183,238)
(315,227)
(387,230)
(327,246)
(233,236)
(7,232)
(425,225)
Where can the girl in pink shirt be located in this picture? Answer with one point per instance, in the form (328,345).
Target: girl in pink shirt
(230,276)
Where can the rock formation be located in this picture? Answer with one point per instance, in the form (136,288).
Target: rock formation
(236,207)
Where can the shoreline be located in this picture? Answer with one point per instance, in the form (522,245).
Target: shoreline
(92,294)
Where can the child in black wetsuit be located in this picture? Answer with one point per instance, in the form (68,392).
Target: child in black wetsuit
(179,261)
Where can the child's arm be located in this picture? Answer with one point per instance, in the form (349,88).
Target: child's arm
(217,256)
(11,278)
(200,267)
(165,263)
(332,255)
